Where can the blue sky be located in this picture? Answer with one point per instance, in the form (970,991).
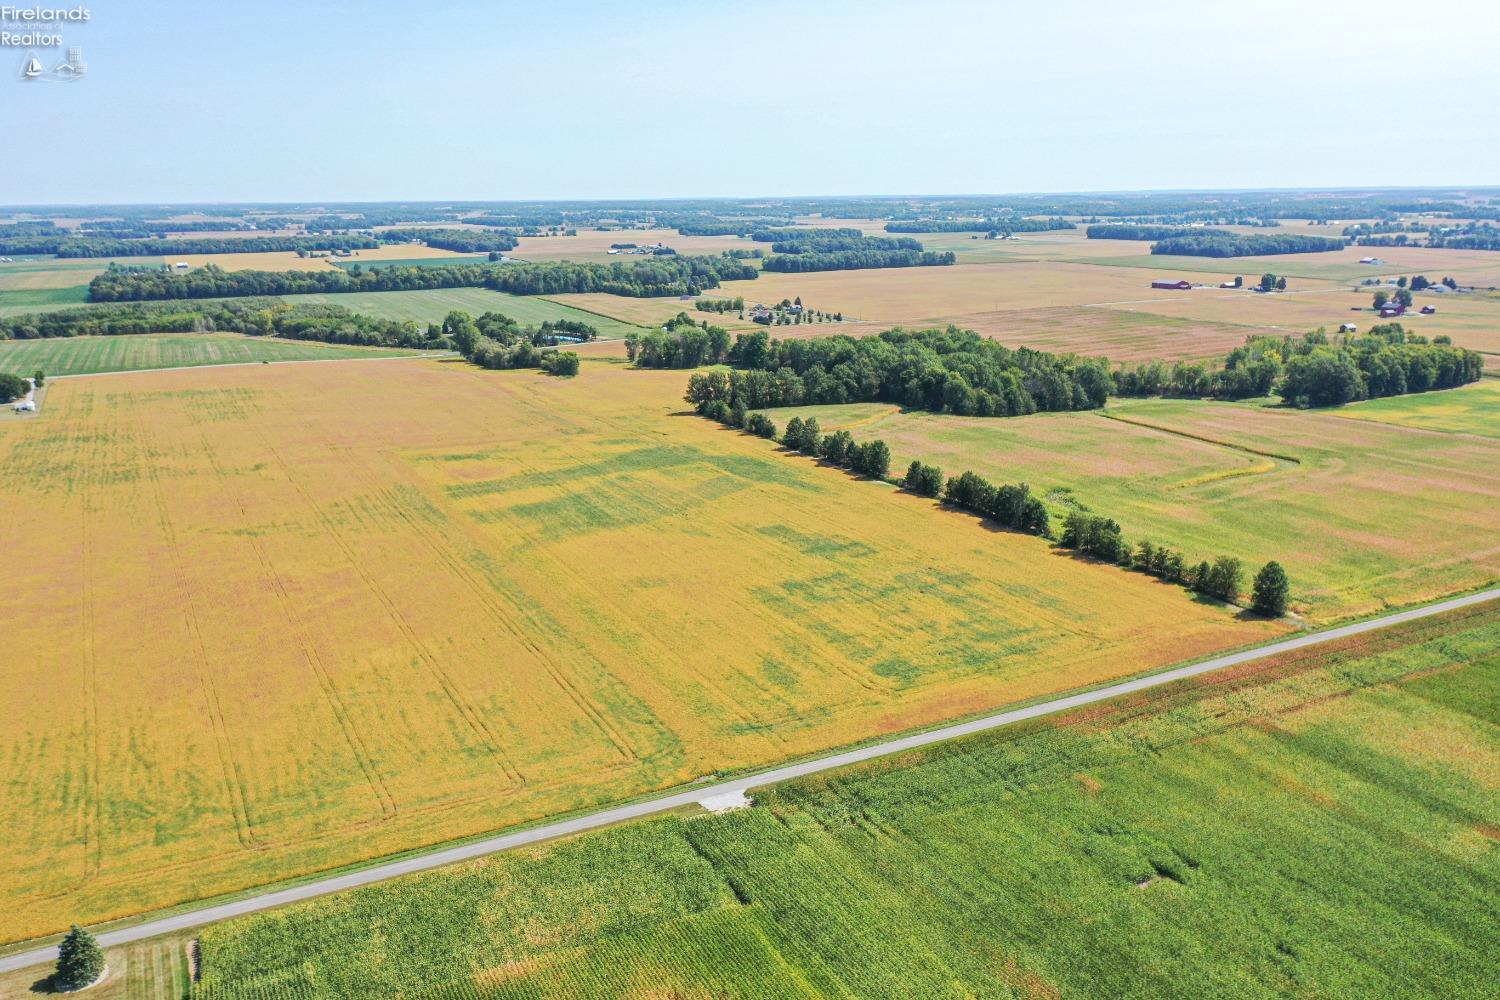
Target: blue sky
(370,99)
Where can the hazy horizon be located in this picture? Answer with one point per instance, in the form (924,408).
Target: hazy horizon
(380,101)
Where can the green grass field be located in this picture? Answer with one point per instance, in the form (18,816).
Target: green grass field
(92,355)
(1319,825)
(1363,515)
(431,305)
(27,300)
(1474,409)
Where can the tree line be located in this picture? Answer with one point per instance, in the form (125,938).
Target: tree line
(870,458)
(778,235)
(815,243)
(734,305)
(1136,231)
(1315,369)
(1011,505)
(855,260)
(1221,579)
(732,227)
(255,317)
(103,246)
(458,240)
(945,371)
(655,277)
(1213,244)
(988,225)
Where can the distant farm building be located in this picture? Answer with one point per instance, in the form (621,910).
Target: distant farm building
(1348,328)
(1371,260)
(181,265)
(1228,284)
(1181,285)
(1428,310)
(1392,309)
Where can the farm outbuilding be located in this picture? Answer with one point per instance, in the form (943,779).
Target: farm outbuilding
(1179,285)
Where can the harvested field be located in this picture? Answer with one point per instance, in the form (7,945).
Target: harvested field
(926,295)
(288,260)
(430,305)
(1145,848)
(593,245)
(281,619)
(91,355)
(1117,334)
(1350,508)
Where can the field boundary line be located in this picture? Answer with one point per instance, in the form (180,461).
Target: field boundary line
(595,312)
(427,861)
(247,364)
(1199,437)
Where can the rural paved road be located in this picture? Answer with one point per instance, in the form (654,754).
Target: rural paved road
(724,791)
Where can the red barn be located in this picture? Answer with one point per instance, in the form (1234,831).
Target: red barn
(1181,285)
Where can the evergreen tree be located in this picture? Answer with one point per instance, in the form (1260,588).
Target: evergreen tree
(1269,595)
(79,961)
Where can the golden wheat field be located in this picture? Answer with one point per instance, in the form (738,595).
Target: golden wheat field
(269,620)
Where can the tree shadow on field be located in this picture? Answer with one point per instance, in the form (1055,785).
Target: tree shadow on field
(43,985)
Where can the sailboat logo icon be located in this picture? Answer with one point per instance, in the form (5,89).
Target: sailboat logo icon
(33,68)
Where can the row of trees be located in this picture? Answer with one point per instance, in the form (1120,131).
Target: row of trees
(777,235)
(734,227)
(857,260)
(1100,537)
(1205,243)
(953,371)
(105,246)
(255,317)
(644,278)
(1138,231)
(815,242)
(460,240)
(1246,380)
(1001,224)
(1315,370)
(734,305)
(868,458)
(1011,505)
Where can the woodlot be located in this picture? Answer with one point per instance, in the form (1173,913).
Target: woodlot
(268,620)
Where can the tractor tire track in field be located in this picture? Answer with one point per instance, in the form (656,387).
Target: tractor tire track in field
(485,594)
(234,778)
(165,922)
(303,634)
(664,655)
(93,806)
(1203,438)
(471,716)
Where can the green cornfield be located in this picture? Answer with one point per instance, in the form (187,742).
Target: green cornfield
(1322,824)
